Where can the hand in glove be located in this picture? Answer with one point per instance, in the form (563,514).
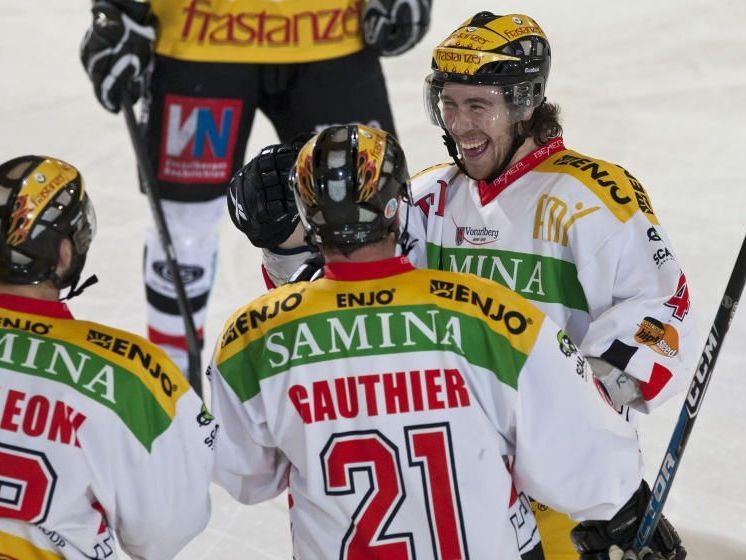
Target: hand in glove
(260,201)
(117,50)
(606,540)
(391,27)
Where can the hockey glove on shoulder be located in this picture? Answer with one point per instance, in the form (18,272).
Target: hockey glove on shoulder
(605,540)
(117,50)
(260,201)
(391,27)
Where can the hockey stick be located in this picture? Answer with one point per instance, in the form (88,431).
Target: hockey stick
(694,398)
(151,190)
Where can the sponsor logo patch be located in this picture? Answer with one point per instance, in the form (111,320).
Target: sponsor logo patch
(199,137)
(515,322)
(662,256)
(553,218)
(662,338)
(475,236)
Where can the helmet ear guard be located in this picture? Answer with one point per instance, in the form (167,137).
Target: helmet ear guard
(349,182)
(42,202)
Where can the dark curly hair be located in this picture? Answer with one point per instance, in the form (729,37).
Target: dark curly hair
(544,124)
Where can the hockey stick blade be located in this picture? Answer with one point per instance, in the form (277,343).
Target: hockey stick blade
(150,186)
(694,397)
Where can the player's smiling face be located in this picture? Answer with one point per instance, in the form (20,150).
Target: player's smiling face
(479,120)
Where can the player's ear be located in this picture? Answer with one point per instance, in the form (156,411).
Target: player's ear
(65,258)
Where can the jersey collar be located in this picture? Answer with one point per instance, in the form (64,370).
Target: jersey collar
(367,270)
(54,309)
(490,189)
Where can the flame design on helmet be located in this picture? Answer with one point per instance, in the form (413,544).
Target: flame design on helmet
(304,173)
(371,151)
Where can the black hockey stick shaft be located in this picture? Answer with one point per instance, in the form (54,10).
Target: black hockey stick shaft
(694,398)
(151,190)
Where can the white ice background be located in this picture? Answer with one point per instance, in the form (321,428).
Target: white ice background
(656,86)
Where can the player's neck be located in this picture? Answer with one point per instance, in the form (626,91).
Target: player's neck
(528,146)
(45,291)
(384,249)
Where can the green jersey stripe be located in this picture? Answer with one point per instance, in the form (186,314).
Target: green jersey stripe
(375,332)
(90,375)
(535,277)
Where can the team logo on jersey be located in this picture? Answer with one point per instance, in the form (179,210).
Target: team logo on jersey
(475,236)
(189,273)
(199,138)
(662,338)
(553,218)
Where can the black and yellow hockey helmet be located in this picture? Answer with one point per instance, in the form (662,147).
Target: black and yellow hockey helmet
(42,202)
(489,49)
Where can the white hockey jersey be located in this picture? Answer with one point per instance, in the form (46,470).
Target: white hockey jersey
(389,399)
(578,237)
(99,434)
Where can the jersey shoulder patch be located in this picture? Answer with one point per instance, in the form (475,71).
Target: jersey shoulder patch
(613,185)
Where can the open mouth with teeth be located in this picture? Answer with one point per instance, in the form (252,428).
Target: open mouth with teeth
(472,149)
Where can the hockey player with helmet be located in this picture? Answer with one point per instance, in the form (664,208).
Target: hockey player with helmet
(99,433)
(214,63)
(361,392)
(574,234)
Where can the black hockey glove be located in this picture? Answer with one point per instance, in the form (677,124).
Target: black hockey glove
(593,539)
(391,27)
(117,50)
(260,201)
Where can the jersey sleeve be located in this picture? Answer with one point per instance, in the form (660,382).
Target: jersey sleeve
(161,498)
(415,219)
(248,464)
(641,321)
(428,196)
(573,452)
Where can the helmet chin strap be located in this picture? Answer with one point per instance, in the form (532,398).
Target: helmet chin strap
(518,139)
(76,290)
(72,280)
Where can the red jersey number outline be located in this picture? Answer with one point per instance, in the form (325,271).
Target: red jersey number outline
(27,480)
(429,448)
(679,302)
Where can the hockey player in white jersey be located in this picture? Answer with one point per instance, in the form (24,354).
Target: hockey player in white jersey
(574,234)
(99,433)
(409,412)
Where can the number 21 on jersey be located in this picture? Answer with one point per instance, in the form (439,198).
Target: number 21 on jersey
(430,450)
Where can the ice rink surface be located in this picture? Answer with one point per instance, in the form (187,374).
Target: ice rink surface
(658,87)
